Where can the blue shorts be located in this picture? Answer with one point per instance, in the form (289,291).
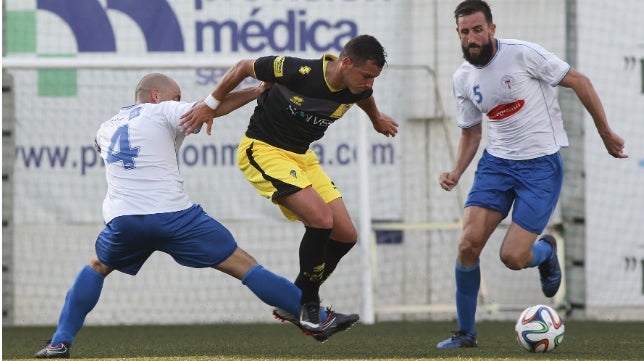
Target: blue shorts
(532,186)
(191,237)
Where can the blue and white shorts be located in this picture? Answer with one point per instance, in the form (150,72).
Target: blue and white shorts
(531,187)
(191,237)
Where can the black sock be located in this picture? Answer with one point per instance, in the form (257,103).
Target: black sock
(334,252)
(312,257)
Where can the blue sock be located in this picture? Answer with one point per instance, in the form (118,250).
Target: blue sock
(80,300)
(468,281)
(275,290)
(541,250)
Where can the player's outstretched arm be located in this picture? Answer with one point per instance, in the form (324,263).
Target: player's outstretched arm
(586,93)
(239,98)
(201,113)
(468,145)
(196,117)
(222,100)
(381,122)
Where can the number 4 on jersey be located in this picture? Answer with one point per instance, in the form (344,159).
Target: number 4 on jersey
(120,150)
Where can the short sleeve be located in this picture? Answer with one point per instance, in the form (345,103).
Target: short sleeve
(467,114)
(172,112)
(544,65)
(269,68)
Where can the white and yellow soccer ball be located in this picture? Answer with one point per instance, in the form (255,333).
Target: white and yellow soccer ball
(539,329)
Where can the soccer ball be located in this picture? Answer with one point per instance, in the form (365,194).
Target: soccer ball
(539,329)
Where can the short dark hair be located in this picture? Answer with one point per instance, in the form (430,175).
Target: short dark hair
(363,48)
(469,7)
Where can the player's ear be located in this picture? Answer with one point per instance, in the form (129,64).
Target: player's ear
(346,62)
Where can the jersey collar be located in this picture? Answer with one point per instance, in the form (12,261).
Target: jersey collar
(326,59)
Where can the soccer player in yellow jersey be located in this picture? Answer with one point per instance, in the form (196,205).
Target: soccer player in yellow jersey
(307,96)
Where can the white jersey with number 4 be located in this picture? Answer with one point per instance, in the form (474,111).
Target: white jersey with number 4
(516,92)
(139,146)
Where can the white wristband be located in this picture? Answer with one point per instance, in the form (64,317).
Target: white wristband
(211,102)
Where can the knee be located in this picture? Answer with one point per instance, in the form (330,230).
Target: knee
(469,251)
(322,219)
(352,237)
(513,261)
(98,266)
(345,235)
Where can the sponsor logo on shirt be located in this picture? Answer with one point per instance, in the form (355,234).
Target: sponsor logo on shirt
(310,118)
(278,66)
(503,111)
(296,100)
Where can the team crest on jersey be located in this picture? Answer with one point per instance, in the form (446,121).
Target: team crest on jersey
(305,70)
(296,100)
(506,81)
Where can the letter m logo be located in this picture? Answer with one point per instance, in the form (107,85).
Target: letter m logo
(93,31)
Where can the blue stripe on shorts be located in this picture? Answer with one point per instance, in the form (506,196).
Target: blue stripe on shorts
(532,186)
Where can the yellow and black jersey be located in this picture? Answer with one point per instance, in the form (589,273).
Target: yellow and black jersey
(300,105)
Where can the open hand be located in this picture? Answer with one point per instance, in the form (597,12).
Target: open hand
(384,124)
(196,117)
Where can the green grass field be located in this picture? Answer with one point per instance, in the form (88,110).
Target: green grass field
(584,340)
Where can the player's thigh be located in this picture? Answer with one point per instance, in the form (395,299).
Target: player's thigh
(194,238)
(123,245)
(493,185)
(478,225)
(274,172)
(321,182)
(308,207)
(537,192)
(516,248)
(343,228)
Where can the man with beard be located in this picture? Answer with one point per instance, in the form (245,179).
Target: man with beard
(512,82)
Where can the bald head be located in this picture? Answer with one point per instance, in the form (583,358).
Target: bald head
(156,88)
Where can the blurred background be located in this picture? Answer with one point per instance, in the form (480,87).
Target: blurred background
(70,65)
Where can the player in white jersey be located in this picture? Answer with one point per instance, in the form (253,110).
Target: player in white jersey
(146,209)
(511,82)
